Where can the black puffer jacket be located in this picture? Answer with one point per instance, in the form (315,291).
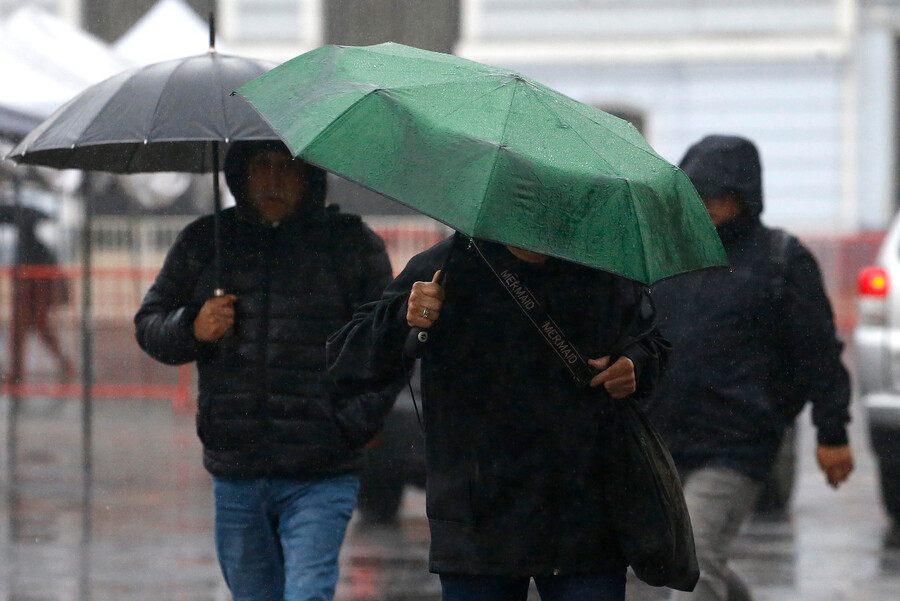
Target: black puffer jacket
(516,453)
(266,405)
(751,345)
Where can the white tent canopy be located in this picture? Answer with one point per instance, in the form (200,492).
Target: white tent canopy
(58,49)
(45,61)
(29,89)
(169,30)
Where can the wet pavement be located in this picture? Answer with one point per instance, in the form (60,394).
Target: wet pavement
(141,527)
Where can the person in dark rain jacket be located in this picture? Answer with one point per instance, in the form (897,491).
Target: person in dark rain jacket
(751,346)
(281,444)
(515,451)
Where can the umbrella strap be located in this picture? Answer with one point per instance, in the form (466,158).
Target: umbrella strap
(551,332)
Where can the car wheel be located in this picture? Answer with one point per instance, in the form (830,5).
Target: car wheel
(890,487)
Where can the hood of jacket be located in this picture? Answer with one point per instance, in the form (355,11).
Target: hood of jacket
(719,165)
(235,169)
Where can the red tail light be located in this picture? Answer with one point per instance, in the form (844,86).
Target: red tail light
(872,281)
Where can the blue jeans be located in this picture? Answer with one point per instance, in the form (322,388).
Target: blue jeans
(279,539)
(603,586)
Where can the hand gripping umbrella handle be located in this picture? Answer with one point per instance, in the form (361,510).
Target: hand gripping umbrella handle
(226,343)
(418,338)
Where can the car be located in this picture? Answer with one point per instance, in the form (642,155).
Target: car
(395,458)
(876,341)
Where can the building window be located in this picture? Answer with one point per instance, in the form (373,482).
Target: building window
(267,20)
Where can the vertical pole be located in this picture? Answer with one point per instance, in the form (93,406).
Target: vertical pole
(87,406)
(87,349)
(16,360)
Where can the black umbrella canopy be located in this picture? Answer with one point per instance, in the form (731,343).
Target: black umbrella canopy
(162,117)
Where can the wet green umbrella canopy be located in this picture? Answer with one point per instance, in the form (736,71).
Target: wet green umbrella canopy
(492,154)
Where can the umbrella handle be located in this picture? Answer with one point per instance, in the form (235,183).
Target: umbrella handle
(227,341)
(416,342)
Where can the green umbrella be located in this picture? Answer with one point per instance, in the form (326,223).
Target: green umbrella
(492,154)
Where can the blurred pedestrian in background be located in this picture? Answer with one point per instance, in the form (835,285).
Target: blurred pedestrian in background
(283,448)
(38,288)
(751,346)
(516,452)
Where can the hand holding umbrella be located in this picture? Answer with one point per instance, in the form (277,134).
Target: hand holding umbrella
(425,302)
(215,318)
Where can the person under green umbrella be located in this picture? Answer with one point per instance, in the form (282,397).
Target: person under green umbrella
(516,452)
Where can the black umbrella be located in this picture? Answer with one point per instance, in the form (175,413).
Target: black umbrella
(175,115)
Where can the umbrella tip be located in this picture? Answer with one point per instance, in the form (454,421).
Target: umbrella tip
(212,31)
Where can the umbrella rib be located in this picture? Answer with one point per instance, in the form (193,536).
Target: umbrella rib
(99,116)
(473,100)
(627,181)
(500,146)
(216,59)
(550,109)
(587,116)
(640,231)
(134,153)
(593,120)
(445,82)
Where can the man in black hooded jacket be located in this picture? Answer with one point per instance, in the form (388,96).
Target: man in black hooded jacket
(280,442)
(752,345)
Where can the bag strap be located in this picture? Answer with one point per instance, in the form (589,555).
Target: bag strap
(534,311)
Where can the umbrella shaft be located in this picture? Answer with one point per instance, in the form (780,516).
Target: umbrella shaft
(217,209)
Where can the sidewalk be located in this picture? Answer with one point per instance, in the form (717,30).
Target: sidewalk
(146,531)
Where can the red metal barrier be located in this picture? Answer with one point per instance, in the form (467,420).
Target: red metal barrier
(121,369)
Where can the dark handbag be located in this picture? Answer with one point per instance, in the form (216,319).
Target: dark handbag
(643,490)
(647,503)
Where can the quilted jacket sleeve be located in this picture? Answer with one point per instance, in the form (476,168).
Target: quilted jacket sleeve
(164,322)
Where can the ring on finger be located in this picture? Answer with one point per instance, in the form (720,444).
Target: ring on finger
(425,312)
